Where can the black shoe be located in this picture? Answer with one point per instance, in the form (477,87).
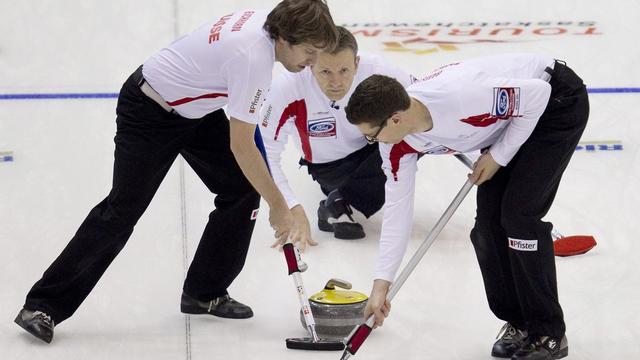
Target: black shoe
(223,306)
(36,323)
(334,215)
(510,340)
(543,348)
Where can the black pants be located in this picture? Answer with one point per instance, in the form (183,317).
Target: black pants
(359,178)
(521,286)
(148,140)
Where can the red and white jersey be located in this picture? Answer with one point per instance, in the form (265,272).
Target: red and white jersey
(226,62)
(297,107)
(491,102)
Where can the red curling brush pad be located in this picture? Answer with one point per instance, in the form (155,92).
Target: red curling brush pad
(573,245)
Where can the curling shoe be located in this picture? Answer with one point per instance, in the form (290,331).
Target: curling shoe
(36,323)
(222,306)
(510,340)
(543,348)
(334,215)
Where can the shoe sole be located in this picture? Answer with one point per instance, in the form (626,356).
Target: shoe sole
(196,310)
(501,356)
(325,226)
(562,353)
(21,323)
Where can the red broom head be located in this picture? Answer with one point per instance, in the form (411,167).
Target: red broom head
(573,245)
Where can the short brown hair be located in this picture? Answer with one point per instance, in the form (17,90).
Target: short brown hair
(303,21)
(376,99)
(346,40)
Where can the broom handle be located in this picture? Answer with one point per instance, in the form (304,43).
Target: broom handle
(360,333)
(426,244)
(431,237)
(306,307)
(296,266)
(465,160)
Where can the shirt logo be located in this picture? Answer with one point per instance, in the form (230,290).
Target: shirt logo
(523,245)
(255,102)
(267,115)
(322,128)
(506,102)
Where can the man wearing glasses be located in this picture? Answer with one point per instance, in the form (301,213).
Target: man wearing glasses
(527,113)
(309,106)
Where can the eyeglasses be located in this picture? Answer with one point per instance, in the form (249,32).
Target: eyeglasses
(372,139)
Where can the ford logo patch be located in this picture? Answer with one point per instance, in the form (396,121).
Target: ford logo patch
(503,102)
(321,126)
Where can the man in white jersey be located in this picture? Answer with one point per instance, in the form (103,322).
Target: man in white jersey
(309,106)
(173,105)
(527,112)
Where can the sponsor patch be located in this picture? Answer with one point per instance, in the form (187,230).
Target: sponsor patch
(523,245)
(254,214)
(322,128)
(506,102)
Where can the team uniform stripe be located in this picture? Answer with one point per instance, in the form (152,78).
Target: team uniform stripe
(397,152)
(303,130)
(297,109)
(190,99)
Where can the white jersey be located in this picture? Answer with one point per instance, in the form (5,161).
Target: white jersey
(226,62)
(297,107)
(492,102)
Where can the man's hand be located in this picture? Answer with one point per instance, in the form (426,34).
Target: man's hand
(301,234)
(484,168)
(378,305)
(282,222)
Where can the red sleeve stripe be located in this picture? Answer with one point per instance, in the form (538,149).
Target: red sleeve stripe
(189,99)
(397,152)
(297,109)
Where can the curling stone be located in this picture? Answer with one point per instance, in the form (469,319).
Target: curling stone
(336,312)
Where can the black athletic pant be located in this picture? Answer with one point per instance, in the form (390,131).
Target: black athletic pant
(148,140)
(359,178)
(521,284)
